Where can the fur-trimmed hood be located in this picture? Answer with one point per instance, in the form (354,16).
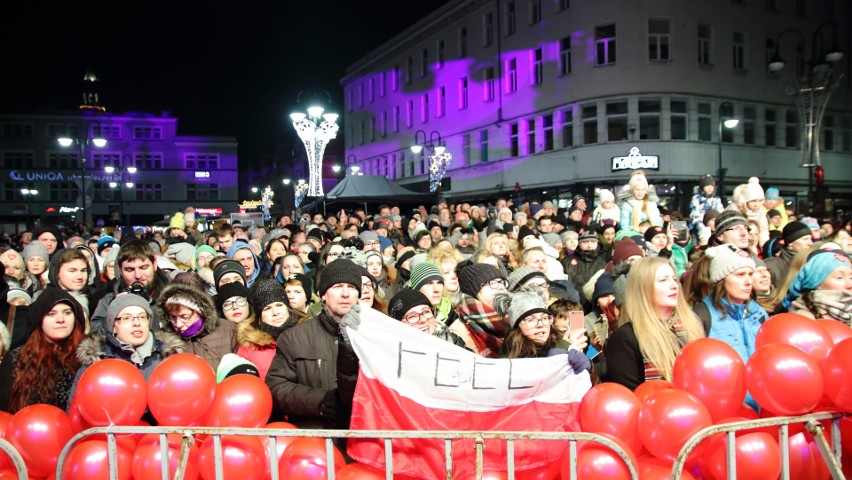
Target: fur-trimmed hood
(250,336)
(195,295)
(98,346)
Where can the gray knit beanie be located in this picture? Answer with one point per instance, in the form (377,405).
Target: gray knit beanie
(522,275)
(35,249)
(725,259)
(124,300)
(518,306)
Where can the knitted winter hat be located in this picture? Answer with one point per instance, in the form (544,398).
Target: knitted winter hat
(231,290)
(534,208)
(524,232)
(551,238)
(417,236)
(406,255)
(405,300)
(588,236)
(423,273)
(12,257)
(233,364)
(772,193)
(522,275)
(603,286)
(619,288)
(384,243)
(725,259)
(820,264)
(179,298)
(624,249)
(119,303)
(105,242)
(753,190)
(606,195)
(35,249)
(18,293)
(773,213)
(706,180)
(339,271)
(636,179)
(794,231)
(183,252)
(177,221)
(652,232)
(307,284)
(203,248)
(520,306)
(728,220)
(227,266)
(266,292)
(474,276)
(811,222)
(711,214)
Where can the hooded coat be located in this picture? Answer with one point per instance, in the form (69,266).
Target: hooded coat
(256,275)
(81,296)
(217,336)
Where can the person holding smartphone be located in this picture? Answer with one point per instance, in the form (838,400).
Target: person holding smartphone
(678,245)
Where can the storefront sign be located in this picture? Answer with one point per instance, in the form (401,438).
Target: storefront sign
(635,160)
(68,209)
(23,176)
(208,212)
(202,174)
(253,204)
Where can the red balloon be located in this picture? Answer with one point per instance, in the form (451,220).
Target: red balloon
(713,371)
(242,457)
(650,387)
(78,423)
(147,459)
(240,401)
(88,460)
(544,472)
(784,379)
(792,329)
(757,456)
(835,329)
(668,419)
(111,392)
(181,389)
(281,442)
(652,468)
(359,471)
(305,459)
(39,432)
(595,462)
(836,371)
(747,412)
(8,474)
(611,408)
(485,476)
(5,460)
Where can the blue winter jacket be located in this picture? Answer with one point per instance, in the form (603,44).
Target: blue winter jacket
(737,326)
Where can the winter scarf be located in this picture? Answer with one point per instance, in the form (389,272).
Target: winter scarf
(826,304)
(487,327)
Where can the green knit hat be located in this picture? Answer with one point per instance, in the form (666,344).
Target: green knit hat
(203,248)
(423,273)
(233,364)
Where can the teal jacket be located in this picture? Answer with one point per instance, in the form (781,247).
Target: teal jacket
(737,325)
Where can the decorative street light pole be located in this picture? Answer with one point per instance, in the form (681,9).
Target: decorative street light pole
(301,191)
(813,85)
(96,140)
(315,137)
(123,170)
(439,157)
(726,119)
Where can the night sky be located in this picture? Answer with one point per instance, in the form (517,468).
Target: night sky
(223,68)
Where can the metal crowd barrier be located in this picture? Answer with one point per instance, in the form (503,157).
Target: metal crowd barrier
(189,433)
(17,459)
(830,453)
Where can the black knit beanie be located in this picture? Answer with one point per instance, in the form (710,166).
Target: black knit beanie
(339,271)
(267,292)
(230,290)
(307,284)
(227,266)
(794,231)
(706,180)
(473,277)
(405,300)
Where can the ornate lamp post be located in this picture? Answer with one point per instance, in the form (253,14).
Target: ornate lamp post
(315,137)
(814,82)
(439,157)
(96,140)
(727,120)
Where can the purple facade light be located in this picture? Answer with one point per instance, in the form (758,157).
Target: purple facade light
(315,135)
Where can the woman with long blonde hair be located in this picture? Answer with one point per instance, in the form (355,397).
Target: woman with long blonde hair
(655,324)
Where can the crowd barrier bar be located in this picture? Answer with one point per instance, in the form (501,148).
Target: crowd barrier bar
(188,437)
(17,459)
(812,424)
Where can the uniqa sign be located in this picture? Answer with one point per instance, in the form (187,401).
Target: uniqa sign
(635,160)
(30,176)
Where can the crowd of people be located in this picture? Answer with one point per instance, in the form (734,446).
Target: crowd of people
(619,284)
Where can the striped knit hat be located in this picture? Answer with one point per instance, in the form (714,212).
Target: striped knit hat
(423,273)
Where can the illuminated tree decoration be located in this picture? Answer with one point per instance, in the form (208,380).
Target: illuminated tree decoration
(438,164)
(266,201)
(301,191)
(315,139)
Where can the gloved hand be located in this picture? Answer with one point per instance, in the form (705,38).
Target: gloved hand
(352,319)
(576,359)
(330,405)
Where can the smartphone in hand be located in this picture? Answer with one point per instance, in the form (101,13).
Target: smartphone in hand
(680,227)
(576,321)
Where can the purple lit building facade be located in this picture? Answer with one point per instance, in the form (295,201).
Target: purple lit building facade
(173,171)
(546,95)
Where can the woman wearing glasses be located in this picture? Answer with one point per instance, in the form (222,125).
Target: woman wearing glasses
(233,303)
(480,326)
(414,309)
(128,337)
(369,292)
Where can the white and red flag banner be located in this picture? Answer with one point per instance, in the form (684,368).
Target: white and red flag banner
(413,381)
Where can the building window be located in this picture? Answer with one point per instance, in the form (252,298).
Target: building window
(535,11)
(441,53)
(424,62)
(616,121)
(383,84)
(605,44)
(147,133)
(846,125)
(371,88)
(483,146)
(363,135)
(148,161)
(409,70)
(110,132)
(749,125)
(511,21)
(54,130)
(547,125)
(770,126)
(442,102)
(395,78)
(659,39)
(201,161)
(409,114)
(537,68)
(705,122)
(63,160)
(63,191)
(567,128)
(395,118)
(565,56)
(202,191)
(350,102)
(791,129)
(738,50)
(488,85)
(511,75)
(424,108)
(513,140)
(705,40)
(360,95)
(463,94)
(149,192)
(18,130)
(530,124)
(466,148)
(679,117)
(487,29)
(350,137)
(383,124)
(649,119)
(828,132)
(462,42)
(590,124)
(17,159)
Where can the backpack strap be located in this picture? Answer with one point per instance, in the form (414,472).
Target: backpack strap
(703,313)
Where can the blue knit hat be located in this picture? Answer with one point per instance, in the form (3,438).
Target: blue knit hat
(818,267)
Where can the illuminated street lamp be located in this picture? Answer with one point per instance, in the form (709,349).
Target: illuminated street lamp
(315,135)
(124,181)
(96,140)
(726,119)
(439,157)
